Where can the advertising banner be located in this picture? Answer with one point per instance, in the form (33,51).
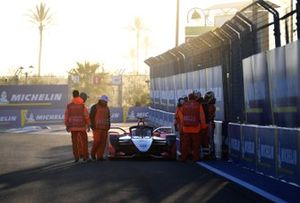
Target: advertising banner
(256,90)
(203,81)
(137,112)
(163,93)
(266,145)
(37,96)
(171,94)
(288,164)
(116,115)
(190,83)
(283,87)
(292,54)
(215,84)
(32,116)
(9,118)
(235,138)
(248,146)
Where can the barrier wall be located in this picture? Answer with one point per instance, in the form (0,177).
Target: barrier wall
(116,115)
(25,105)
(271,151)
(170,89)
(248,146)
(135,112)
(272,87)
(235,139)
(256,90)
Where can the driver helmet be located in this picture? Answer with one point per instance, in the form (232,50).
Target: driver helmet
(210,97)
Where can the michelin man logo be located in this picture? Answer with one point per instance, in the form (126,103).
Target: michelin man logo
(131,115)
(3,97)
(30,118)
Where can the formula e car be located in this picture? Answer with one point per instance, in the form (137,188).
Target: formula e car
(140,141)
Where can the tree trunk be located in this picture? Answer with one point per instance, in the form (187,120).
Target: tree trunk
(40,50)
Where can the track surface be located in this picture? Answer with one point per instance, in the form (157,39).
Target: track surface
(38,167)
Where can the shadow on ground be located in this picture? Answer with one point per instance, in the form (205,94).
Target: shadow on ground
(61,180)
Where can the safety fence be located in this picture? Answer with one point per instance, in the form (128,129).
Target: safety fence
(269,150)
(246,34)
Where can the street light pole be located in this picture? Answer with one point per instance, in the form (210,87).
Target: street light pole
(177,24)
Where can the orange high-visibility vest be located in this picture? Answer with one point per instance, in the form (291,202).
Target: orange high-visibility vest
(193,117)
(76,116)
(102,119)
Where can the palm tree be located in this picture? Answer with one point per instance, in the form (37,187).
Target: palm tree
(42,18)
(85,72)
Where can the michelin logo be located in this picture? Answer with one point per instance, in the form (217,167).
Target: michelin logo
(35,97)
(43,117)
(8,118)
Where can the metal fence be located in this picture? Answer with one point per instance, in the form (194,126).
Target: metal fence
(256,28)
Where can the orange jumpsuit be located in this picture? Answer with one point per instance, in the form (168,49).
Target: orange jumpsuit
(100,125)
(178,123)
(193,123)
(77,120)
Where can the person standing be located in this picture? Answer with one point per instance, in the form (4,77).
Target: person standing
(76,121)
(210,101)
(193,123)
(83,137)
(100,124)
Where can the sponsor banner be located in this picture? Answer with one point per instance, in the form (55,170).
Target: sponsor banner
(171,94)
(283,81)
(9,118)
(116,115)
(234,133)
(37,96)
(266,145)
(196,80)
(41,116)
(156,93)
(136,112)
(190,83)
(256,90)
(288,154)
(292,60)
(215,83)
(248,146)
(152,90)
(202,81)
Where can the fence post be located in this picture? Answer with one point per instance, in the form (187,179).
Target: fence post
(298,18)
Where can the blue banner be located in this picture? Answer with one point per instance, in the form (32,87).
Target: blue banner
(31,117)
(116,115)
(37,96)
(235,138)
(215,83)
(266,146)
(249,146)
(9,119)
(135,112)
(256,90)
(283,86)
(203,81)
(288,164)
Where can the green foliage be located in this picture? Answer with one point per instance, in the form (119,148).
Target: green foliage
(85,73)
(136,93)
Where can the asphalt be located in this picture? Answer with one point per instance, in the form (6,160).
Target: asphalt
(39,168)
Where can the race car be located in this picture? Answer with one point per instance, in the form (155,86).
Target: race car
(140,141)
(163,131)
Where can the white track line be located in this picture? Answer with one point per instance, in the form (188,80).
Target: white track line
(253,188)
